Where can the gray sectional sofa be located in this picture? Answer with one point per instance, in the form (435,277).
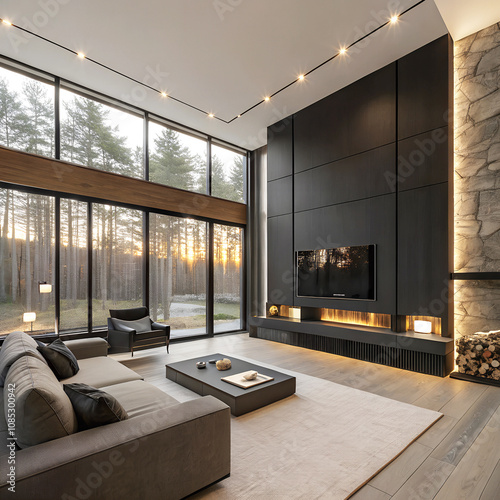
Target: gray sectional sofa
(164,450)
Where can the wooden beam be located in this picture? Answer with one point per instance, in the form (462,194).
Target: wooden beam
(17,167)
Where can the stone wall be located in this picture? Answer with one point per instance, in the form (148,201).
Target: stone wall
(477,179)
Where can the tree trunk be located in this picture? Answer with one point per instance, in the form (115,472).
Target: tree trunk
(3,247)
(14,255)
(27,278)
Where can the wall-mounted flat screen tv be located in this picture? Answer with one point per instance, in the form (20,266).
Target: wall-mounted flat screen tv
(337,273)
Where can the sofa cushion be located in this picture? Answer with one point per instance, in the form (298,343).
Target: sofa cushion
(60,359)
(139,325)
(16,345)
(93,407)
(87,348)
(43,410)
(139,397)
(102,371)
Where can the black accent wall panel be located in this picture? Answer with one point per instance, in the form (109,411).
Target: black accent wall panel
(423,88)
(280,149)
(279,196)
(355,119)
(361,176)
(370,221)
(423,272)
(423,159)
(280,260)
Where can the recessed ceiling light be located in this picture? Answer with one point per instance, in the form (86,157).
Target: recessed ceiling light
(8,23)
(163,94)
(267,98)
(239,116)
(394,19)
(211,115)
(81,55)
(301,77)
(343,50)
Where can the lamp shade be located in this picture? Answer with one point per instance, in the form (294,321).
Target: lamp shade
(420,326)
(45,288)
(29,317)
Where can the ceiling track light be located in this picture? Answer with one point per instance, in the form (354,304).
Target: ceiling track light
(393,20)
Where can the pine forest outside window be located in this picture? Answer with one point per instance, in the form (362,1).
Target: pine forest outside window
(27,258)
(228,248)
(101,136)
(178,273)
(117,250)
(107,137)
(73,265)
(228,170)
(176,159)
(26,114)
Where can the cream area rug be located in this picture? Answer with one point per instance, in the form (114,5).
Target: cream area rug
(324,442)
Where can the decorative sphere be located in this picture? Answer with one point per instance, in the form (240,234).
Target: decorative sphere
(273,311)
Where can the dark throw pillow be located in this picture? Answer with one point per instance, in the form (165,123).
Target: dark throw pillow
(93,407)
(60,359)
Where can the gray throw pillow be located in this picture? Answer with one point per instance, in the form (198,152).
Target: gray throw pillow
(15,346)
(93,407)
(139,325)
(60,359)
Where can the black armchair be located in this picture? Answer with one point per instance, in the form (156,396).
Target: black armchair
(141,333)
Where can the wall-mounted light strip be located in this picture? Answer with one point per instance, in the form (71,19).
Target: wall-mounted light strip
(393,20)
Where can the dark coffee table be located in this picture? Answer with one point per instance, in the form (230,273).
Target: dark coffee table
(207,381)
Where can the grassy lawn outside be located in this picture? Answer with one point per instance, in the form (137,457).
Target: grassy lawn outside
(75,316)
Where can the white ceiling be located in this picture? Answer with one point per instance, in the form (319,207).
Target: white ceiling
(222,56)
(464,17)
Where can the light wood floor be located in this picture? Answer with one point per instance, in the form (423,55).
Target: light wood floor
(458,458)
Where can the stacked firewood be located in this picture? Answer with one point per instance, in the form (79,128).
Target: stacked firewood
(479,355)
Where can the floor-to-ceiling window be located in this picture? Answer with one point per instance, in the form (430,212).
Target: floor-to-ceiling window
(178,273)
(228,268)
(73,264)
(94,253)
(26,259)
(117,253)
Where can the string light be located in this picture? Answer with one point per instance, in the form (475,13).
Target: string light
(393,20)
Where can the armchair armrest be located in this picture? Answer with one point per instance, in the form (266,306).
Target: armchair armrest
(88,348)
(122,329)
(161,326)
